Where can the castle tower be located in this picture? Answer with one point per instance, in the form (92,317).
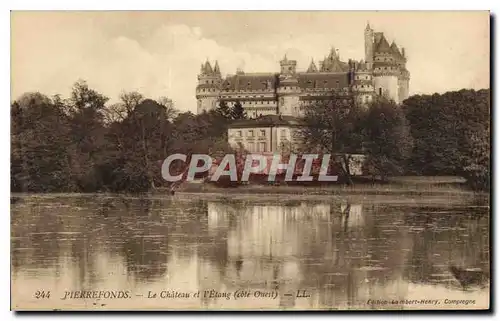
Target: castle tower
(386,68)
(368,46)
(208,88)
(288,67)
(362,82)
(288,90)
(404,77)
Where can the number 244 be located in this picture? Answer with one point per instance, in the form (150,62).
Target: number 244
(42,295)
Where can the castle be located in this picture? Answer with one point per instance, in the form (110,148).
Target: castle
(382,72)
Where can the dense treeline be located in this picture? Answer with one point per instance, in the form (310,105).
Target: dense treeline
(446,134)
(451,135)
(82,144)
(85,144)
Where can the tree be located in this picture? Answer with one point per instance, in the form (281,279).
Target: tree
(335,126)
(170,111)
(387,140)
(146,136)
(237,111)
(475,140)
(40,145)
(224,110)
(451,132)
(120,111)
(434,127)
(87,109)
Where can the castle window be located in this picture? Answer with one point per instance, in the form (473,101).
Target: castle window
(362,86)
(238,133)
(203,90)
(385,68)
(262,133)
(380,91)
(250,133)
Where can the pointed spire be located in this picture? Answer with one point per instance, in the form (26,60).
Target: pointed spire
(383,45)
(208,67)
(368,25)
(395,50)
(202,69)
(332,52)
(312,67)
(216,68)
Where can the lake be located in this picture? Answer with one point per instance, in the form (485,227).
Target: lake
(201,252)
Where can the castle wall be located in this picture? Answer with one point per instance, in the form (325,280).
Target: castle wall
(289,105)
(387,85)
(206,104)
(403,89)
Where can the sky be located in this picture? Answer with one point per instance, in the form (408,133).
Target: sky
(159,53)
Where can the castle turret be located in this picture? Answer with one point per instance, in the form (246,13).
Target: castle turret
(387,65)
(288,90)
(362,82)
(208,89)
(288,67)
(368,46)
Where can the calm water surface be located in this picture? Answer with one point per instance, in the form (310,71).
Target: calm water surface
(279,255)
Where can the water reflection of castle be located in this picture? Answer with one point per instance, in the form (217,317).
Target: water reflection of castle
(266,240)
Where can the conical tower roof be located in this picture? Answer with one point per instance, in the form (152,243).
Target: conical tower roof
(383,45)
(395,50)
(208,68)
(216,68)
(312,67)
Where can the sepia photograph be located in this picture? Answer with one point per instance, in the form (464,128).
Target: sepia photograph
(250,160)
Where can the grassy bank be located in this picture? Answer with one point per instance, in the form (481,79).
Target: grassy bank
(406,191)
(405,186)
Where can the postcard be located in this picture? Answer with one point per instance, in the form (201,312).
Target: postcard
(250,160)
